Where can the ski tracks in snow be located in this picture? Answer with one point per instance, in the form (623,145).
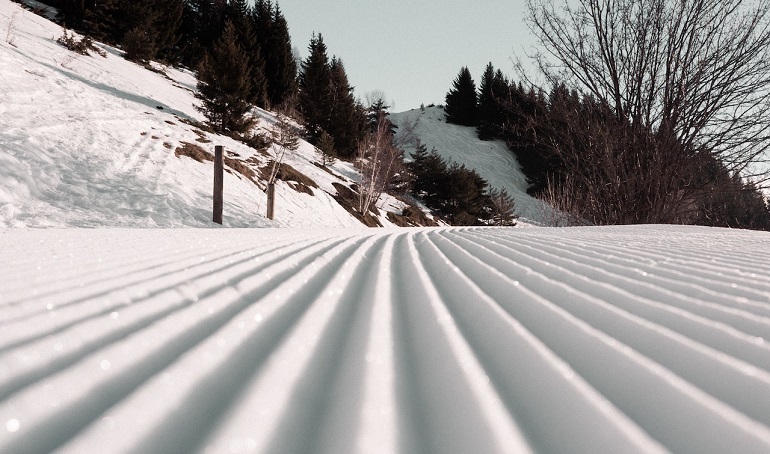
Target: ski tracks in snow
(454,340)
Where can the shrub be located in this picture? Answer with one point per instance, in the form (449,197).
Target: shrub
(81,46)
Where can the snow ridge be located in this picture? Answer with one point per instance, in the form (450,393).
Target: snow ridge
(451,340)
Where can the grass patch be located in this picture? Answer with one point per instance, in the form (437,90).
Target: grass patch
(242,168)
(233,166)
(201,136)
(294,178)
(194,151)
(411,216)
(329,171)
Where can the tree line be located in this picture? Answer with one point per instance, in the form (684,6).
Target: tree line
(185,32)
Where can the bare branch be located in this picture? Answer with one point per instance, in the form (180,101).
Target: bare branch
(680,81)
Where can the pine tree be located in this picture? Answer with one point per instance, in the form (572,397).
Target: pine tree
(487,104)
(504,208)
(377,110)
(346,119)
(224,84)
(190,48)
(430,174)
(103,20)
(139,45)
(261,19)
(145,28)
(136,29)
(461,101)
(208,22)
(239,13)
(279,60)
(72,13)
(326,147)
(314,89)
(492,94)
(167,28)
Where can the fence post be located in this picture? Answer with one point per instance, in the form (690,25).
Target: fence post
(219,168)
(270,199)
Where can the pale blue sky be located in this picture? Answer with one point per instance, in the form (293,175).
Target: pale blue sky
(411,49)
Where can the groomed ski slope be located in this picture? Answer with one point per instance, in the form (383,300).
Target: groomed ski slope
(450,340)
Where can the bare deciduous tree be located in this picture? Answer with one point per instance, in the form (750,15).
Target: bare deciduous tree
(406,134)
(684,83)
(286,138)
(377,160)
(10,33)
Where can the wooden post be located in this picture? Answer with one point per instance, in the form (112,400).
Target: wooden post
(270,199)
(219,169)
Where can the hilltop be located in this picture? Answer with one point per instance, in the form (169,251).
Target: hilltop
(491,159)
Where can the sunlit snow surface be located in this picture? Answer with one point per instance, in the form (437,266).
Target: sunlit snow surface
(461,340)
(455,340)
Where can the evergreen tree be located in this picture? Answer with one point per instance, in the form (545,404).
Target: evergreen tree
(456,192)
(72,12)
(504,208)
(224,84)
(326,147)
(190,48)
(135,29)
(467,201)
(208,21)
(237,10)
(377,112)
(487,105)
(493,93)
(167,23)
(520,107)
(314,89)
(261,19)
(461,101)
(279,60)
(428,171)
(346,119)
(239,13)
(103,22)
(139,45)
(146,29)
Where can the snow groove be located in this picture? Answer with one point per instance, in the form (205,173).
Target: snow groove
(450,340)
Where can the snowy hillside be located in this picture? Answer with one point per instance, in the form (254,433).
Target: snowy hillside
(491,159)
(455,340)
(89,141)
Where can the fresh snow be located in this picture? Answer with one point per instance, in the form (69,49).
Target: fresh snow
(335,338)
